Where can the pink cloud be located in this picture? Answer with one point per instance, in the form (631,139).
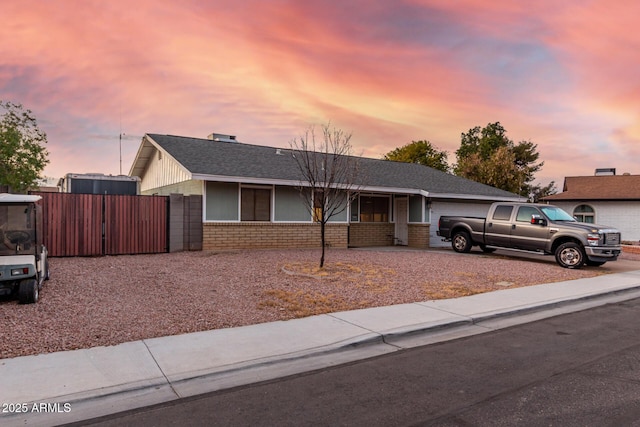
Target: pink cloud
(426,69)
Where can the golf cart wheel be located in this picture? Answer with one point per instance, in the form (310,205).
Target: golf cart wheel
(47,272)
(28,291)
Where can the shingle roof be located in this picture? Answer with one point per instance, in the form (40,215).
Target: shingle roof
(605,187)
(216,158)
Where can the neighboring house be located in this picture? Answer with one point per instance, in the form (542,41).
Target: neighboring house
(251,196)
(612,200)
(98,183)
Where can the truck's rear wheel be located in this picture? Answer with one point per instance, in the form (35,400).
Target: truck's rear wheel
(28,291)
(570,255)
(461,242)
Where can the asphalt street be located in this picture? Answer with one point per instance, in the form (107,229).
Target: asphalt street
(579,369)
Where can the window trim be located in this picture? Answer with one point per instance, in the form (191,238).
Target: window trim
(423,207)
(528,219)
(389,208)
(256,187)
(591,213)
(500,208)
(205,198)
(289,221)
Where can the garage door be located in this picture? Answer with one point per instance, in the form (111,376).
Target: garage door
(439,209)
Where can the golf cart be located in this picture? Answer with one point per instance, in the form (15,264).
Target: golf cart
(23,258)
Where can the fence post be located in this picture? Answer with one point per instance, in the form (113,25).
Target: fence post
(193,221)
(176,223)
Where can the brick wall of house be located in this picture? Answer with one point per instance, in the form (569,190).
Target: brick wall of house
(371,234)
(259,235)
(262,235)
(419,235)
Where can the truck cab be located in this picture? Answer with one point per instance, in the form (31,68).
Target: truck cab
(521,226)
(23,257)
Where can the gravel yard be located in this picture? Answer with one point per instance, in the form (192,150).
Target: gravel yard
(110,300)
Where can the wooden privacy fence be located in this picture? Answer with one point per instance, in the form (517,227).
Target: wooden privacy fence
(135,224)
(94,225)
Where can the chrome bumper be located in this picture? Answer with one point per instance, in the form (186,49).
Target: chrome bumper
(602,253)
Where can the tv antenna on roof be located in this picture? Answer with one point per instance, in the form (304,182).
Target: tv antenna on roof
(121,152)
(120,137)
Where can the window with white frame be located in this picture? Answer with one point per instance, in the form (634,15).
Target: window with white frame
(415,208)
(290,204)
(374,208)
(221,201)
(355,209)
(255,204)
(585,213)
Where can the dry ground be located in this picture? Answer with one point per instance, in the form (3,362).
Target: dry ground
(110,300)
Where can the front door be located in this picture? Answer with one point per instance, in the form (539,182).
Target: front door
(402,227)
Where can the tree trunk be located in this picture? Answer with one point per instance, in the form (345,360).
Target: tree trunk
(322,224)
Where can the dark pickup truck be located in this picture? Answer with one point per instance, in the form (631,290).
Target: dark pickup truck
(537,228)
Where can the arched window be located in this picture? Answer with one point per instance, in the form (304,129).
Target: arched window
(585,213)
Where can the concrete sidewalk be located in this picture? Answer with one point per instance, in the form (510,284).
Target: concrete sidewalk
(56,388)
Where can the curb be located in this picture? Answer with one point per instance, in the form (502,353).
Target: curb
(158,386)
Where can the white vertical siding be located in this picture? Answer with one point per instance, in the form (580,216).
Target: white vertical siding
(162,171)
(191,187)
(622,215)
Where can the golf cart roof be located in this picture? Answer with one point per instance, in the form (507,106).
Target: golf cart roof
(18,198)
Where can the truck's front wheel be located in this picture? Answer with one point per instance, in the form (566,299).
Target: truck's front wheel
(570,255)
(461,242)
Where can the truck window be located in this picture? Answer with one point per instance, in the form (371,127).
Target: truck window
(525,212)
(556,214)
(502,213)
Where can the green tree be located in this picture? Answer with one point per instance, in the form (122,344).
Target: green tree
(22,153)
(422,153)
(538,192)
(488,156)
(498,170)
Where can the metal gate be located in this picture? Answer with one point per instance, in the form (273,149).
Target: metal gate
(94,225)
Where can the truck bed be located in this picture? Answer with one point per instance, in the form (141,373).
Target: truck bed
(475,223)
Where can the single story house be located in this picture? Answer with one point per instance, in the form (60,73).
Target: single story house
(610,199)
(251,195)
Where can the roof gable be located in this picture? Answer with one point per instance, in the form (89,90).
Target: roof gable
(606,187)
(234,160)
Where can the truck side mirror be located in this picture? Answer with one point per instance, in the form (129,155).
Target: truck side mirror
(537,219)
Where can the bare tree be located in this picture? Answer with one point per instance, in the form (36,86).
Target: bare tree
(329,175)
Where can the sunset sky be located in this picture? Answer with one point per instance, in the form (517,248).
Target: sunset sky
(563,75)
